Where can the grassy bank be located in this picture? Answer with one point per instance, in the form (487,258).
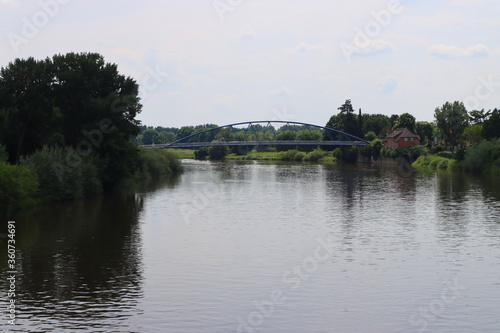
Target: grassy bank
(436,162)
(316,155)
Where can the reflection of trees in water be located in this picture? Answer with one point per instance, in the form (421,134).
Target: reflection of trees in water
(79,260)
(464,199)
(362,194)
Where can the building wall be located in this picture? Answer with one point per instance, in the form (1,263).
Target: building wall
(404,144)
(401,143)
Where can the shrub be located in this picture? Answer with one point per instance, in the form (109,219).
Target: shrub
(299,156)
(64,173)
(315,155)
(154,163)
(18,187)
(370,136)
(201,153)
(483,157)
(289,155)
(217,152)
(445,154)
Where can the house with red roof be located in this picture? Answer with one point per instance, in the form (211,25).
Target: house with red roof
(401,138)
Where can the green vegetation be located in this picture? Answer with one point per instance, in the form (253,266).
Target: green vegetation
(436,162)
(66,129)
(483,158)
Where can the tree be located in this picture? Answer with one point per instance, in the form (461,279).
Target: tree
(452,119)
(491,127)
(150,136)
(77,100)
(479,117)
(406,120)
(394,119)
(27,110)
(346,108)
(425,130)
(375,123)
(473,134)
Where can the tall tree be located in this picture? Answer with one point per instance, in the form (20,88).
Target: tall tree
(406,120)
(425,130)
(491,127)
(452,119)
(479,117)
(27,111)
(74,99)
(346,108)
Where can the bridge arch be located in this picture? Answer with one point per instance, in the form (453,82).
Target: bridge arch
(210,137)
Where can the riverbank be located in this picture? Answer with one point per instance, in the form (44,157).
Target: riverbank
(317,155)
(46,176)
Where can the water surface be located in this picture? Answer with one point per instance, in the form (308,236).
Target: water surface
(263,247)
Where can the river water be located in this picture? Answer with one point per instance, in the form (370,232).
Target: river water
(265,247)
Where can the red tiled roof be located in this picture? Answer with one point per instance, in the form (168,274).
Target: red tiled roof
(401,133)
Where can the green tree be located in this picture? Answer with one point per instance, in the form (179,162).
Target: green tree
(425,130)
(184,131)
(406,120)
(346,108)
(491,127)
(150,136)
(28,116)
(77,100)
(370,136)
(452,119)
(376,123)
(479,117)
(473,134)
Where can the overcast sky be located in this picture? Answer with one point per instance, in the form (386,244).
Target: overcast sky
(225,61)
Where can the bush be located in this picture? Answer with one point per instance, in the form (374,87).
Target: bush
(154,163)
(315,155)
(64,173)
(299,156)
(289,155)
(217,152)
(370,136)
(483,157)
(445,154)
(201,153)
(18,187)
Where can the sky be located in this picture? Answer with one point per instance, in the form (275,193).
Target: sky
(228,61)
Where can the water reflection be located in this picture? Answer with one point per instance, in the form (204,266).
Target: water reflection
(79,262)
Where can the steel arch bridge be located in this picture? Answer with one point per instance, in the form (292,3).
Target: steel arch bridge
(263,133)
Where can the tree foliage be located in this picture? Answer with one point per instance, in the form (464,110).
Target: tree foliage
(406,120)
(491,127)
(76,100)
(452,119)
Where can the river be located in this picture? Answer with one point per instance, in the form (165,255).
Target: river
(264,247)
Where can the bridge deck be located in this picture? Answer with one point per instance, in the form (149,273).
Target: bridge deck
(197,145)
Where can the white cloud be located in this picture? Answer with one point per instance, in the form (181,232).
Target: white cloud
(304,47)
(376,46)
(452,51)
